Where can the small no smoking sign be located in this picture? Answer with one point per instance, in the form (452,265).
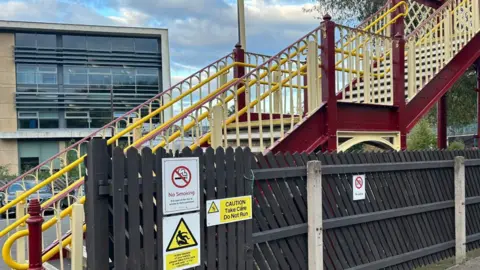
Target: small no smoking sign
(358,187)
(181,185)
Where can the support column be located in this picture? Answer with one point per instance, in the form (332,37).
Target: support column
(398,59)
(238,72)
(442,123)
(35,235)
(328,80)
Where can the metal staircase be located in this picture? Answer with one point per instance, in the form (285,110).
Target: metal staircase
(334,87)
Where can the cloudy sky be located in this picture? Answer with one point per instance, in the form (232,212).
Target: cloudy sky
(200,31)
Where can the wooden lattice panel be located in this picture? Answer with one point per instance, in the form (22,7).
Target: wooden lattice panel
(417,13)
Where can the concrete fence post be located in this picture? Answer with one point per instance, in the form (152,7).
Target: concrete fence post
(460,228)
(315,222)
(20,213)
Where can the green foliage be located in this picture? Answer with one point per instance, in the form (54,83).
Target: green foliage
(345,10)
(461,102)
(421,137)
(5,174)
(456,145)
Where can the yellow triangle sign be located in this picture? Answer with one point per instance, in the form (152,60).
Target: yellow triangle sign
(182,237)
(213,208)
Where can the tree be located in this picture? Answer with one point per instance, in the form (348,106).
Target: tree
(421,137)
(461,102)
(345,10)
(456,145)
(5,174)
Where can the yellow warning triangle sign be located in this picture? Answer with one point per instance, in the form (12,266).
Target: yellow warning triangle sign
(182,237)
(213,208)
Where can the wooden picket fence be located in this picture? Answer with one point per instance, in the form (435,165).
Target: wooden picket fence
(407,219)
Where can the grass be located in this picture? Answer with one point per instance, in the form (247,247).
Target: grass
(444,264)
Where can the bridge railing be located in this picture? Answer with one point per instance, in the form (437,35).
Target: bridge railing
(437,40)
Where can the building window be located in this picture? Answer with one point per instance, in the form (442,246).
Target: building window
(147,76)
(122,44)
(146,45)
(35,40)
(74,42)
(75,75)
(77,119)
(26,163)
(99,43)
(36,74)
(33,120)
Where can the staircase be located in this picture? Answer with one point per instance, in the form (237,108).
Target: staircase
(331,89)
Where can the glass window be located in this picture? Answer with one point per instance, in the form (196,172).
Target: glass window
(74,42)
(26,163)
(28,123)
(25,40)
(98,123)
(122,44)
(123,76)
(46,41)
(26,74)
(147,71)
(147,80)
(75,75)
(99,79)
(49,123)
(46,78)
(146,45)
(99,43)
(77,123)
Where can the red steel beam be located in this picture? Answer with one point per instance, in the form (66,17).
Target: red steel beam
(441,83)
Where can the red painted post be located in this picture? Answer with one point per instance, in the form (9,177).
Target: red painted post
(328,80)
(398,57)
(442,123)
(238,72)
(398,27)
(35,235)
(477,68)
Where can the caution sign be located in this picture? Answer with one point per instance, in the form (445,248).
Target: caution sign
(228,210)
(213,208)
(358,187)
(182,237)
(181,241)
(181,187)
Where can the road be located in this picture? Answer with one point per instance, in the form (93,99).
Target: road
(48,236)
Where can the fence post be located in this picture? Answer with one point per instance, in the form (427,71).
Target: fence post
(315,222)
(460,229)
(35,235)
(20,213)
(78,218)
(97,205)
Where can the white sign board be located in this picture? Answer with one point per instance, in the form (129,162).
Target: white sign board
(181,241)
(358,186)
(181,185)
(228,210)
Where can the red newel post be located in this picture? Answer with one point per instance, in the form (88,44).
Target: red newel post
(238,72)
(398,57)
(35,235)
(328,79)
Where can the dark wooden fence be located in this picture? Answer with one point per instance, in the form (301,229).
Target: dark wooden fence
(407,219)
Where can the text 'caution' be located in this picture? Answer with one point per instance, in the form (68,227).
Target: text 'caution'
(228,210)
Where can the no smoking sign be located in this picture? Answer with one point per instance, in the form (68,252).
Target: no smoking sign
(358,187)
(181,185)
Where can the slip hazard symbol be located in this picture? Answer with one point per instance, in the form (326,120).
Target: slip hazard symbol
(213,208)
(359,182)
(181,177)
(182,237)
